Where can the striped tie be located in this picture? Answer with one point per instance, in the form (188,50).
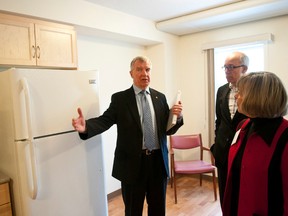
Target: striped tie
(149,133)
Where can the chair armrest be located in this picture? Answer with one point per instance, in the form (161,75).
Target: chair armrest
(205,148)
(211,155)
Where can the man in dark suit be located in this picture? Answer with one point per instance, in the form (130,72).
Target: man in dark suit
(142,171)
(227,115)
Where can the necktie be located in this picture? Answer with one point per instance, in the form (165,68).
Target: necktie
(149,133)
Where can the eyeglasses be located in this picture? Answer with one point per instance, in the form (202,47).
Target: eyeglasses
(231,67)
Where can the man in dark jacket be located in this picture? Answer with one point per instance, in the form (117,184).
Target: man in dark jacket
(227,116)
(142,170)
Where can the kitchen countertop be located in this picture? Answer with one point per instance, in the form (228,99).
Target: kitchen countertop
(4,178)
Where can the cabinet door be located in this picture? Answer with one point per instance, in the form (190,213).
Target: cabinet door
(5,210)
(17,41)
(5,205)
(4,194)
(55,47)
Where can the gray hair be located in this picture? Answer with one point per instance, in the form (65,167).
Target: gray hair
(264,95)
(141,59)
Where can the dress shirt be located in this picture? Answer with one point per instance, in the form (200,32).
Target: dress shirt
(232,100)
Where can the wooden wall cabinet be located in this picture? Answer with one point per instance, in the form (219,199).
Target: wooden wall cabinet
(31,42)
(5,202)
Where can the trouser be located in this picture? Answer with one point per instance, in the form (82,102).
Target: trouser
(222,175)
(152,184)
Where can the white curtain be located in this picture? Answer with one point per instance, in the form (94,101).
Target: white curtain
(209,57)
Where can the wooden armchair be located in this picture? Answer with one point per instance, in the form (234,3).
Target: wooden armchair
(193,166)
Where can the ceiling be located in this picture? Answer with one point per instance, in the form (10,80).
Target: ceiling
(182,17)
(159,10)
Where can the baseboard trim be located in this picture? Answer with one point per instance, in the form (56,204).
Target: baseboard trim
(114,194)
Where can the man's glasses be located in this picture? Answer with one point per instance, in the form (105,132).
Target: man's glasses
(231,67)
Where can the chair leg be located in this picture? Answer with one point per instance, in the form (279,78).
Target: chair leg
(175,191)
(200,179)
(171,178)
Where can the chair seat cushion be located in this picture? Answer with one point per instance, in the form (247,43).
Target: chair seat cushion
(193,167)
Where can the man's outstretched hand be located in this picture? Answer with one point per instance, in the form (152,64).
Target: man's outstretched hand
(79,123)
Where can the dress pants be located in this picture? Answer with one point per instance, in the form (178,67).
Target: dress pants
(222,175)
(152,184)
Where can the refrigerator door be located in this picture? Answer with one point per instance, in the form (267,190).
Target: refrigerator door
(70,177)
(53,171)
(52,98)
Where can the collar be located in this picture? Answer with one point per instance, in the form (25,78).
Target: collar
(232,87)
(266,128)
(137,90)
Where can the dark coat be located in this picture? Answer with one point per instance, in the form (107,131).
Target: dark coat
(263,183)
(124,113)
(225,127)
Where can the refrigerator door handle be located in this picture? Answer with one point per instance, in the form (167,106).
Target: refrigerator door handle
(31,166)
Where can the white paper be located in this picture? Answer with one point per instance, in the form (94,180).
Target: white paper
(172,117)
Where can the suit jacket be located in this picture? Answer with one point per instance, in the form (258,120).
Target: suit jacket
(123,112)
(225,127)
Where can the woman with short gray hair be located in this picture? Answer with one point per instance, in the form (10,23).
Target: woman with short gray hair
(257,181)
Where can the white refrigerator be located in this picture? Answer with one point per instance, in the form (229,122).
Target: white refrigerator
(53,172)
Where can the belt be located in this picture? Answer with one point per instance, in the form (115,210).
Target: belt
(150,152)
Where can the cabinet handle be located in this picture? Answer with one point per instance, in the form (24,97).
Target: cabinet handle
(34,51)
(38,52)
